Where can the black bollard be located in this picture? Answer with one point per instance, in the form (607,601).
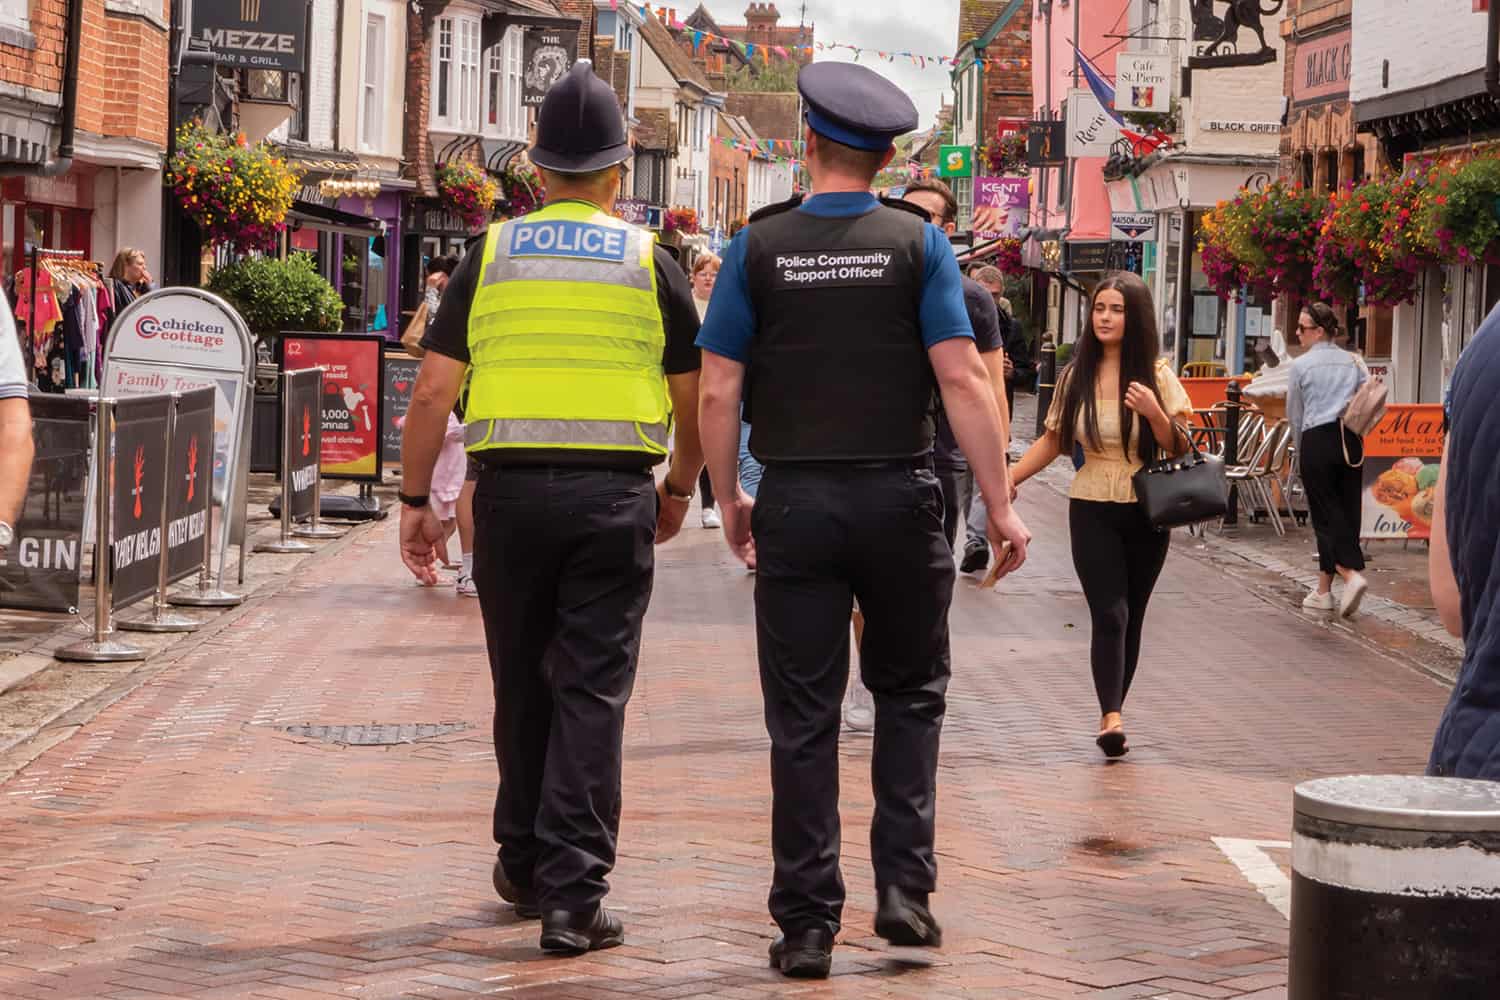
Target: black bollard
(1395,889)
(1046,385)
(1232,448)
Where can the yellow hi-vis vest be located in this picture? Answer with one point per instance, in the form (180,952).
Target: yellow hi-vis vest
(566,336)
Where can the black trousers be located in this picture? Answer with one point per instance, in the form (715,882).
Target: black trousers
(706,489)
(1333,495)
(563,563)
(825,536)
(951,481)
(1118,556)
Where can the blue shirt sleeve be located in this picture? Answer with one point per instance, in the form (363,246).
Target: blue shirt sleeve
(943,313)
(729,326)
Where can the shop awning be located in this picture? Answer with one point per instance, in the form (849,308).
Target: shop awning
(307,215)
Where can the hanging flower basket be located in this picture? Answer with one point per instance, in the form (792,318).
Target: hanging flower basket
(1008,258)
(1370,241)
(1462,211)
(1004,155)
(238,194)
(681,220)
(1224,245)
(467,192)
(521,187)
(1264,241)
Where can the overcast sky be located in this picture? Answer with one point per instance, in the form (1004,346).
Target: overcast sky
(926,27)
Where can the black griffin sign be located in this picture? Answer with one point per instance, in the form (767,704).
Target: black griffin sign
(1223,32)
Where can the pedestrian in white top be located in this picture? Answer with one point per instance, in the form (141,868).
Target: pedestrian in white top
(15,428)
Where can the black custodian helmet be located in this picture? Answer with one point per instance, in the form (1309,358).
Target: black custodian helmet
(579,128)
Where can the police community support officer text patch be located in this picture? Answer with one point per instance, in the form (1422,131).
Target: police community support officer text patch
(567,238)
(832,268)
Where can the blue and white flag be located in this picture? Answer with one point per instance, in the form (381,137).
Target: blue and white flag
(1103,89)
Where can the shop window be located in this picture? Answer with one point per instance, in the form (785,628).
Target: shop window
(1306,169)
(372,94)
(504,115)
(1357,166)
(1330,171)
(963,191)
(455,74)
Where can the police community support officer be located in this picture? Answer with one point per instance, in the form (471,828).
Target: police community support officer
(567,318)
(847,314)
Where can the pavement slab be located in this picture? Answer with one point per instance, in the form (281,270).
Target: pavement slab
(202,837)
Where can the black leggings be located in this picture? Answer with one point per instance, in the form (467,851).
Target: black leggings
(1333,495)
(706,489)
(1118,556)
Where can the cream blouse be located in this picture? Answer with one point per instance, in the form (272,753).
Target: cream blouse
(1106,473)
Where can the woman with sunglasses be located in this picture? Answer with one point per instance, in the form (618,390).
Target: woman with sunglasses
(1329,455)
(1121,405)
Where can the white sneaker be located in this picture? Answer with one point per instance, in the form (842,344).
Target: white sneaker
(1354,593)
(1315,601)
(466,588)
(711,518)
(859,709)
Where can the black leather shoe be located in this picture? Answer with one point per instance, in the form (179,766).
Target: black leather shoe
(976,558)
(575,932)
(803,954)
(524,900)
(904,919)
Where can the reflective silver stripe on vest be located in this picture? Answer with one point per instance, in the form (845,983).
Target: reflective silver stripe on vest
(628,273)
(553,433)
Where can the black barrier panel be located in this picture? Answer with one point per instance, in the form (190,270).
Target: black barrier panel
(140,451)
(300,443)
(40,569)
(400,380)
(188,496)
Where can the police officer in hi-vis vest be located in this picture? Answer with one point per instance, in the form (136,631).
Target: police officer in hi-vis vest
(841,320)
(577,334)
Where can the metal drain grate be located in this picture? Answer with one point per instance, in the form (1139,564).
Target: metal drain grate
(377,734)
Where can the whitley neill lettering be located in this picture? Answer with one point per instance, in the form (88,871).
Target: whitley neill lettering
(871,267)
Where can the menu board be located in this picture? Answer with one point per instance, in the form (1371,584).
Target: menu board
(400,378)
(352,398)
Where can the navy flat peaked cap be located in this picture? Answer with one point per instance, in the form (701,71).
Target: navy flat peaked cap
(855,106)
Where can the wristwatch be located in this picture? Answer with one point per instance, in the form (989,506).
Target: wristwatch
(666,485)
(7,535)
(412,501)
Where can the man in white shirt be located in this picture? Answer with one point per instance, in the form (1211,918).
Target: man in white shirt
(15,428)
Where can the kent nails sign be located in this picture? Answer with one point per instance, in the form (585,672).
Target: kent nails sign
(254,34)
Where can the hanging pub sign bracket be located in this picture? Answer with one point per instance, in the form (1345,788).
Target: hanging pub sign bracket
(1241,14)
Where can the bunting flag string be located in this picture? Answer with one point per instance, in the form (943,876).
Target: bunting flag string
(751,51)
(766,148)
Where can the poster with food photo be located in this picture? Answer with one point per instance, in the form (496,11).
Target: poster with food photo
(1401,471)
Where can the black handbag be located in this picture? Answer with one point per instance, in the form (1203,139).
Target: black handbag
(1173,492)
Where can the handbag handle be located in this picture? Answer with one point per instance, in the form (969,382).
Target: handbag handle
(1181,428)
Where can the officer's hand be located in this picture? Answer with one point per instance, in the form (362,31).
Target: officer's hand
(1008,538)
(736,515)
(421,532)
(670,513)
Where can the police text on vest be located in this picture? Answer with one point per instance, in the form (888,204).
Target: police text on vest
(566,238)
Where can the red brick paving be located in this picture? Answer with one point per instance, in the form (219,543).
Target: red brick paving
(183,845)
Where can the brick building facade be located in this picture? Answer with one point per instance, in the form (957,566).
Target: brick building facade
(112,188)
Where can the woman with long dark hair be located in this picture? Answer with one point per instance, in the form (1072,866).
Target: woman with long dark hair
(1323,381)
(1117,402)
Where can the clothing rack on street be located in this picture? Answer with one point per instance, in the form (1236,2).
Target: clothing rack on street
(69,264)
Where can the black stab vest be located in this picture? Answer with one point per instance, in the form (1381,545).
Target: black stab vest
(838,371)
